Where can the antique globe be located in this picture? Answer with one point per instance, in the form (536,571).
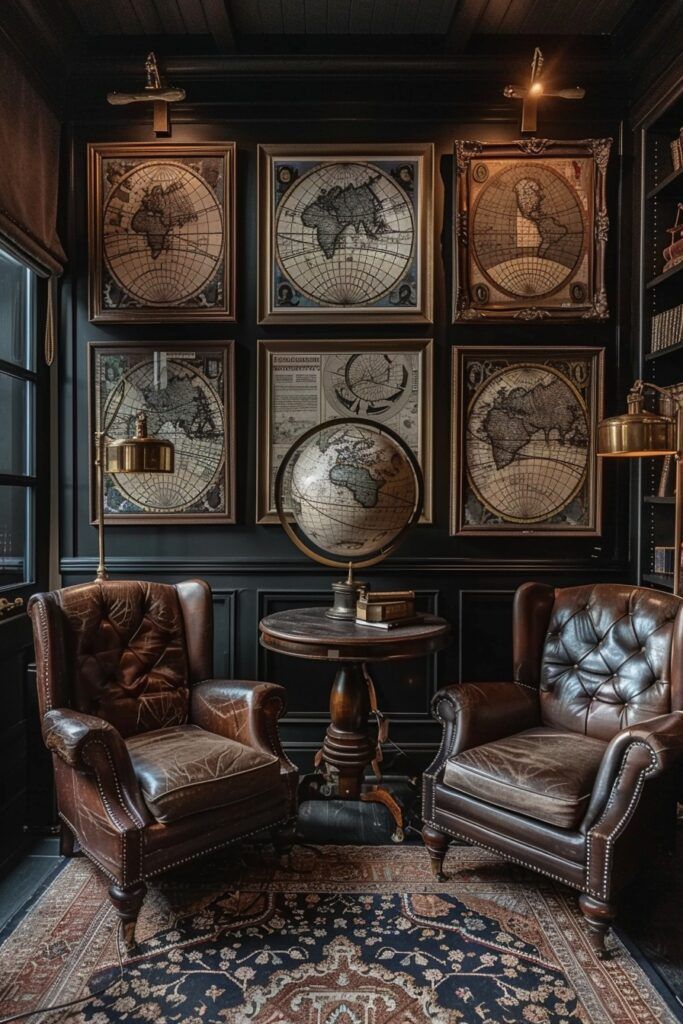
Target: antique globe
(352,489)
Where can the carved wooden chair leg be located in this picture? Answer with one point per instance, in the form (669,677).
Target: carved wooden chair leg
(437,845)
(599,916)
(127,903)
(66,841)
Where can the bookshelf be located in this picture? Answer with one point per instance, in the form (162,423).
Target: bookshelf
(659,189)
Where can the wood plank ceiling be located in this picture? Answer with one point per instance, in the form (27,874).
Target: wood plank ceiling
(222,19)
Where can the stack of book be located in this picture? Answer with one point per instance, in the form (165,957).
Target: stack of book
(664,560)
(677,151)
(667,329)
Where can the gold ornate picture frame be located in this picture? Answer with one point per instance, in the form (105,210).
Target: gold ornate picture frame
(304,383)
(524,423)
(530,230)
(187,391)
(161,230)
(346,233)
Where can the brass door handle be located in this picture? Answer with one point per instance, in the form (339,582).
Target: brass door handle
(10,606)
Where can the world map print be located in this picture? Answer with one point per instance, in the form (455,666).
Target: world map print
(163,234)
(183,401)
(528,231)
(527,446)
(345,235)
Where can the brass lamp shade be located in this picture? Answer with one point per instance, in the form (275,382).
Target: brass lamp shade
(139,454)
(636,435)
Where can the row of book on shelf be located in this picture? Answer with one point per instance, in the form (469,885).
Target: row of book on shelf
(664,561)
(667,329)
(677,151)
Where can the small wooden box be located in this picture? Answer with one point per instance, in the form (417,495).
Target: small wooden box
(385,606)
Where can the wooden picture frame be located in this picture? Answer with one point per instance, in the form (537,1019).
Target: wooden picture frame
(345,233)
(305,382)
(161,230)
(196,411)
(513,409)
(530,231)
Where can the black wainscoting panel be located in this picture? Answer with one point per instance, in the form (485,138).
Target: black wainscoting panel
(485,624)
(224,632)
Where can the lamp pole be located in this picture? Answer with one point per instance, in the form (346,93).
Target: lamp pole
(102,573)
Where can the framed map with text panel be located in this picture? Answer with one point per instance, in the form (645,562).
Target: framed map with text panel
(161,226)
(530,230)
(187,391)
(345,233)
(524,423)
(304,383)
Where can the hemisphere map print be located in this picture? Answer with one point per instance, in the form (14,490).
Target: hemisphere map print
(183,394)
(531,230)
(346,236)
(527,425)
(159,232)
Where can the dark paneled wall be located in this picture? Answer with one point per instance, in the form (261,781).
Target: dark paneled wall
(254,569)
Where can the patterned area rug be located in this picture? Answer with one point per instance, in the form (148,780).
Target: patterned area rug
(340,935)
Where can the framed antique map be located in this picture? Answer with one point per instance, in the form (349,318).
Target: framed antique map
(161,221)
(304,383)
(345,233)
(523,457)
(530,230)
(187,391)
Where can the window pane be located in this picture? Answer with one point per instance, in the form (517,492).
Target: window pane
(16,312)
(16,426)
(15,531)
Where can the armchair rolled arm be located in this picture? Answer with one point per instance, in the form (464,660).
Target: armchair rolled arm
(649,748)
(476,713)
(248,712)
(90,744)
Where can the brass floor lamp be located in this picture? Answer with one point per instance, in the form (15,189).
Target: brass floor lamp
(641,434)
(138,454)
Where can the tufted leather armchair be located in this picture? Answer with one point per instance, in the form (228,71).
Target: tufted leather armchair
(568,768)
(156,763)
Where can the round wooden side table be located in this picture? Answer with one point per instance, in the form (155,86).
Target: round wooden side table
(309,633)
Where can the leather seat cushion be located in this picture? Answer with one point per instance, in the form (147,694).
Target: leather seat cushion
(546,774)
(185,770)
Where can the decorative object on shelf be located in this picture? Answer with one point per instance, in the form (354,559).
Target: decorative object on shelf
(161,232)
(355,489)
(677,151)
(673,253)
(345,233)
(537,90)
(304,383)
(665,488)
(186,391)
(666,329)
(155,92)
(639,434)
(139,454)
(8,605)
(386,609)
(530,230)
(524,424)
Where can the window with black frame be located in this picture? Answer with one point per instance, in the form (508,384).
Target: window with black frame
(18,397)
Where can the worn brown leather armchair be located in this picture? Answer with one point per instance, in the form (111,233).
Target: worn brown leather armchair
(568,769)
(156,763)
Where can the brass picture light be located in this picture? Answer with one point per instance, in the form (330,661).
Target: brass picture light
(138,454)
(641,434)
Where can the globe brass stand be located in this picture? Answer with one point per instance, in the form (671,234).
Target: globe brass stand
(138,454)
(640,434)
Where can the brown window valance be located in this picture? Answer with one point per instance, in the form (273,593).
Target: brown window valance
(29,168)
